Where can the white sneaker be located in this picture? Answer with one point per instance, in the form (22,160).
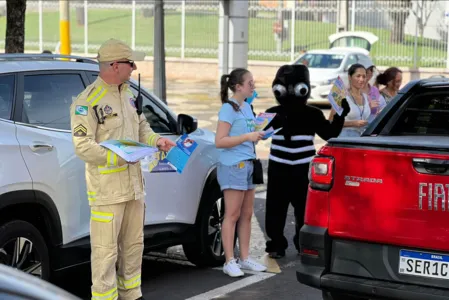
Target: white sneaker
(252,265)
(232,269)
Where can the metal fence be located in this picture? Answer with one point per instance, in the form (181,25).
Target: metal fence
(409,35)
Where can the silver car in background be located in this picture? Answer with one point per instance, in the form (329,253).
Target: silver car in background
(326,65)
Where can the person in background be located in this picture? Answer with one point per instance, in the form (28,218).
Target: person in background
(376,100)
(392,80)
(360,111)
(236,137)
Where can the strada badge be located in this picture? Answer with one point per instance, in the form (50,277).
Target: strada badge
(356,180)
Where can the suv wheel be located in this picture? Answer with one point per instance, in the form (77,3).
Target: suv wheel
(23,247)
(337,296)
(207,249)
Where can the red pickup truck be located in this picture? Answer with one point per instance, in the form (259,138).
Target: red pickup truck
(377,212)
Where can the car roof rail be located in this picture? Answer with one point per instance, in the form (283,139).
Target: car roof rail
(44,56)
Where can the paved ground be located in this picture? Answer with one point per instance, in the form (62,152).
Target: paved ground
(170,277)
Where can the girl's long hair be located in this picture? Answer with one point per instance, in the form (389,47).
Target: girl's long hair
(228,82)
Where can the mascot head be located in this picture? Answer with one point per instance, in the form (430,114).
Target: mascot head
(291,86)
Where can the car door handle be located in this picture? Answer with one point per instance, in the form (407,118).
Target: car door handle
(37,147)
(431,166)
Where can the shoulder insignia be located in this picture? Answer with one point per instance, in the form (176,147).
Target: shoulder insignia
(80,130)
(81,110)
(95,94)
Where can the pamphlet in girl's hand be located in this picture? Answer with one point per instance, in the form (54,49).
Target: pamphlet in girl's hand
(269,132)
(263,120)
(179,156)
(336,95)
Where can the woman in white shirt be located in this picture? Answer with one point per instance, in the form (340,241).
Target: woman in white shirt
(357,119)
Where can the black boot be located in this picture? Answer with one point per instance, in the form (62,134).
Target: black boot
(277,254)
(274,251)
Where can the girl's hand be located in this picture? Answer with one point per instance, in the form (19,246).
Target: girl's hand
(255,136)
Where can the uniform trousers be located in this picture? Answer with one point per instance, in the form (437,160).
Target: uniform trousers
(117,248)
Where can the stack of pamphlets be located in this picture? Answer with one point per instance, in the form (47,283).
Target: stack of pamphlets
(130,151)
(133,151)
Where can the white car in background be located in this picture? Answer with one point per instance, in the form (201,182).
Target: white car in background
(326,65)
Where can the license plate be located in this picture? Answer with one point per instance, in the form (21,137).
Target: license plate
(430,265)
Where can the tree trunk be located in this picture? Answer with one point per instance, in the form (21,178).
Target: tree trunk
(397,32)
(421,29)
(15,26)
(400,10)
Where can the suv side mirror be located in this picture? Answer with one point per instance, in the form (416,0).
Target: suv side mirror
(186,124)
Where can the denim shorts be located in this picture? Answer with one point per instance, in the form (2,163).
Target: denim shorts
(236,177)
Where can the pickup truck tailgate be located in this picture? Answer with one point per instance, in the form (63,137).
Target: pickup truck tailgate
(390,194)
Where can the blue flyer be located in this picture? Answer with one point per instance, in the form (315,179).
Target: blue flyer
(270,132)
(158,163)
(179,156)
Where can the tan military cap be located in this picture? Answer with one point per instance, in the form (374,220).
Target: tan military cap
(113,50)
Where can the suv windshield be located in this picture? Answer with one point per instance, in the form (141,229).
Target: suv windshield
(321,61)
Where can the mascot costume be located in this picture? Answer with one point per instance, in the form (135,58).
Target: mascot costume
(291,151)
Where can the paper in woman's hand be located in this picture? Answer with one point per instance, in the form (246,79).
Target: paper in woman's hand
(336,95)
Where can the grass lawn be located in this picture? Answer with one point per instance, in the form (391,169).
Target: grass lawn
(201,36)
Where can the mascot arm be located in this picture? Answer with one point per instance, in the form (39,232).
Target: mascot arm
(329,129)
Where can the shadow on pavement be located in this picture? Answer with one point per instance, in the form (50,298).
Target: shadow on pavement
(160,280)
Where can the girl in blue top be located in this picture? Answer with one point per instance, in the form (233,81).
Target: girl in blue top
(236,137)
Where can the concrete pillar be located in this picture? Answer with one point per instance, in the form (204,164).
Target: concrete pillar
(342,15)
(233,36)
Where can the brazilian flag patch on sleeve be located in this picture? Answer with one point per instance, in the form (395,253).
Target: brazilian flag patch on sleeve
(80,130)
(81,110)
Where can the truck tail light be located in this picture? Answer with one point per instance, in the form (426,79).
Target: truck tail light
(321,177)
(321,173)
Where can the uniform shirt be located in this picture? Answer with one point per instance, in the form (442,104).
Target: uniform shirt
(242,122)
(107,112)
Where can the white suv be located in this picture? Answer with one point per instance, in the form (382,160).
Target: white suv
(44,211)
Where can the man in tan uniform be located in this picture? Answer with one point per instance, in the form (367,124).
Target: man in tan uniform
(105,110)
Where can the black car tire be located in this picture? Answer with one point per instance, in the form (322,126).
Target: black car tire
(21,229)
(337,296)
(199,252)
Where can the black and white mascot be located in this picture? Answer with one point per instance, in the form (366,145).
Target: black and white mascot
(292,149)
